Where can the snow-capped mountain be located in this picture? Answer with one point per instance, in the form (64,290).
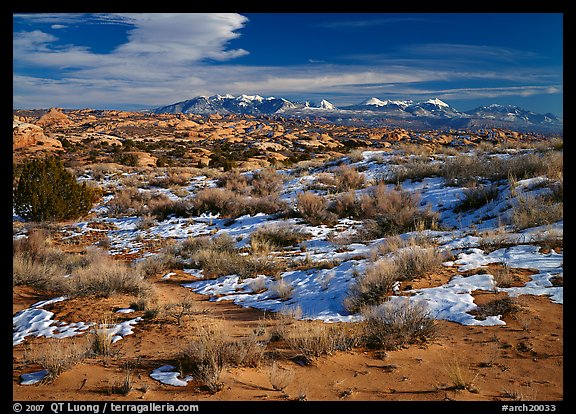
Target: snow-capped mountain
(431,113)
(228,104)
(512,113)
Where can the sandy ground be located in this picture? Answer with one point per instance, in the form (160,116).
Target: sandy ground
(521,361)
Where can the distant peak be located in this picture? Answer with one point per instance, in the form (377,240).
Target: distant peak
(326,105)
(374,101)
(437,102)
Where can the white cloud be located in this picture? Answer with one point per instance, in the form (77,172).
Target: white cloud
(170,57)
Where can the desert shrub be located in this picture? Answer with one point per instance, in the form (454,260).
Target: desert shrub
(58,355)
(267,204)
(278,235)
(40,274)
(392,325)
(356,155)
(348,178)
(160,262)
(180,310)
(46,191)
(34,245)
(266,182)
(230,204)
(234,181)
(502,276)
(346,205)
(314,209)
(166,208)
(380,278)
(247,351)
(126,158)
(502,306)
(126,201)
(35,262)
(465,168)
(216,201)
(389,211)
(476,197)
(414,261)
(373,287)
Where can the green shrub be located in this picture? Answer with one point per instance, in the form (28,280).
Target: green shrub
(46,191)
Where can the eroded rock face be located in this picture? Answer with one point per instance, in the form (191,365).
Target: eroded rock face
(25,135)
(54,117)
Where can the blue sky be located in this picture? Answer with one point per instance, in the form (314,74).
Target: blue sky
(142,60)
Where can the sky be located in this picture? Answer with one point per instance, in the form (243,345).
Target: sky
(133,61)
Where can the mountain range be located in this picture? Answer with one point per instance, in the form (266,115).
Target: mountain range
(425,114)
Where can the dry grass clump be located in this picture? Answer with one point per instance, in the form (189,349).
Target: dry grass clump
(58,355)
(465,168)
(247,351)
(229,204)
(392,325)
(313,338)
(40,274)
(131,201)
(281,289)
(102,336)
(211,350)
(204,357)
(385,275)
(502,275)
(277,236)
(217,256)
(174,177)
(160,262)
(476,197)
(415,169)
(496,307)
(94,273)
(266,182)
(460,374)
(163,208)
(104,276)
(235,181)
(373,287)
(280,377)
(533,211)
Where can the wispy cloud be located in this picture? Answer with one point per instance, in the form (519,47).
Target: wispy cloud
(170,57)
(467,51)
(363,23)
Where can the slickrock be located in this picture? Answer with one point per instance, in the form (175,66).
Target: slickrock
(54,117)
(25,135)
